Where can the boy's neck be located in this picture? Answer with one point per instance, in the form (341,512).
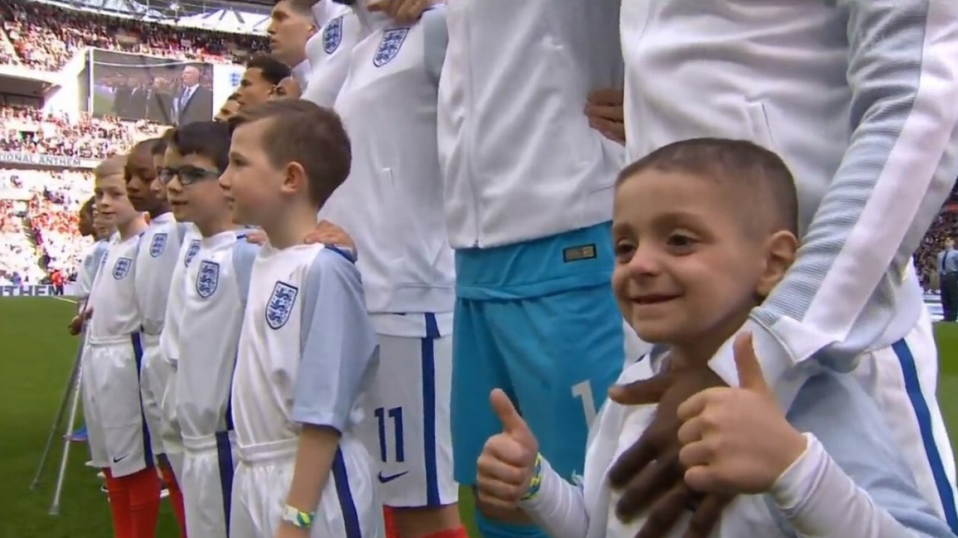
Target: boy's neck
(216,226)
(698,351)
(132,228)
(159,212)
(292,228)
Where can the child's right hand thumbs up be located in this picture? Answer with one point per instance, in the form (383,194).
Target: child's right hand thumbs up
(508,459)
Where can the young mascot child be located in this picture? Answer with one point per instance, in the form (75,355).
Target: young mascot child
(307,347)
(690,265)
(214,299)
(155,263)
(88,269)
(169,338)
(91,261)
(118,436)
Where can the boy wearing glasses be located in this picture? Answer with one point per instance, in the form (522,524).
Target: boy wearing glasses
(213,293)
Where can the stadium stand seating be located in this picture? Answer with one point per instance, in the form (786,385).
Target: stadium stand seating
(45,37)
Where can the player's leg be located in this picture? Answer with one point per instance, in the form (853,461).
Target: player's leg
(349,506)
(154,374)
(127,437)
(242,523)
(564,351)
(477,370)
(903,378)
(407,433)
(207,480)
(93,362)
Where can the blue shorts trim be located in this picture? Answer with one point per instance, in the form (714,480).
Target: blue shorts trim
(346,503)
(429,410)
(136,341)
(224,457)
(913,387)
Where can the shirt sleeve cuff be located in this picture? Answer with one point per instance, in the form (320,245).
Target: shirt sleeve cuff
(778,366)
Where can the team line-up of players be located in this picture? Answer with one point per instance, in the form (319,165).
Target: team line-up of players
(283,395)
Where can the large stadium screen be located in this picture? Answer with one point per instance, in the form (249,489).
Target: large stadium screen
(138,87)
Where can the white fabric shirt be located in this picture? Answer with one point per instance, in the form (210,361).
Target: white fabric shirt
(327,10)
(217,282)
(388,106)
(91,262)
(834,490)
(307,348)
(113,297)
(155,263)
(170,342)
(328,54)
(520,161)
(857,97)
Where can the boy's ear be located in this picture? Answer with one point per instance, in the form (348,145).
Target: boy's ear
(780,251)
(295,179)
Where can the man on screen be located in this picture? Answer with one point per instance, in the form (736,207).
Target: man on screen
(193,102)
(159,102)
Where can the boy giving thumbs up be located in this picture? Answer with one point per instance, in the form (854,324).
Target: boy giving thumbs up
(690,266)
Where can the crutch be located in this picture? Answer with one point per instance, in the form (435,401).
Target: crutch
(72,383)
(55,505)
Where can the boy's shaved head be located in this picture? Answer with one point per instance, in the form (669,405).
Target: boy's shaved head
(759,181)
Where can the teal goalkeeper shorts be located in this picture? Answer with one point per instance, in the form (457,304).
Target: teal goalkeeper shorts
(539,321)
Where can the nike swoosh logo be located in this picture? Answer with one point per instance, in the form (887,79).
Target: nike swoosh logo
(118,460)
(390,478)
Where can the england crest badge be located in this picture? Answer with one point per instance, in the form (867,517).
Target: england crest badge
(333,35)
(207,278)
(191,252)
(389,46)
(121,268)
(280,305)
(158,245)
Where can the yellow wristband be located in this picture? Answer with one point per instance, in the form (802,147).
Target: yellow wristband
(536,483)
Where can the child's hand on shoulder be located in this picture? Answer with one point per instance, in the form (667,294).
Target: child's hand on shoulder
(507,462)
(737,440)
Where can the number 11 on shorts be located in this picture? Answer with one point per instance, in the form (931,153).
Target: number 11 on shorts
(583,391)
(394,415)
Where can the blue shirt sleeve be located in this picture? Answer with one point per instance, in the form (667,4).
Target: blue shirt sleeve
(338,343)
(850,427)
(244,254)
(436,38)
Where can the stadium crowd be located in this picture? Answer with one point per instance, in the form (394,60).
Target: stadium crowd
(45,37)
(31,130)
(38,227)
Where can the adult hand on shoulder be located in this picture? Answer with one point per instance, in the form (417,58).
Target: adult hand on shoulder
(401,10)
(505,467)
(737,440)
(328,233)
(605,111)
(325,233)
(649,473)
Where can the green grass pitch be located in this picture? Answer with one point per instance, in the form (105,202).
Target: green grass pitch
(36,354)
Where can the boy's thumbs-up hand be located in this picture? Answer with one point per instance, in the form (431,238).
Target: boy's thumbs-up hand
(737,440)
(508,459)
